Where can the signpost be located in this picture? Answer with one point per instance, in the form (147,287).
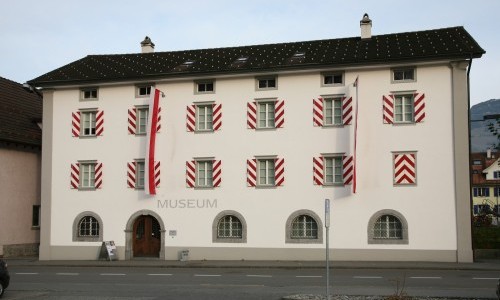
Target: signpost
(327,226)
(108,251)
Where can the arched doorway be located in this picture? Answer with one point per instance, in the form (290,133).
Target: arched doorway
(144,235)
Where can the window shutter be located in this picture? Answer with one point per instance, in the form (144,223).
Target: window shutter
(131,171)
(318,112)
(347,169)
(99,122)
(318,170)
(75,176)
(217,173)
(388,109)
(132,120)
(279,171)
(279,113)
(217,116)
(404,168)
(251,115)
(190,173)
(251,172)
(419,106)
(191,118)
(347,110)
(98,175)
(156,173)
(75,124)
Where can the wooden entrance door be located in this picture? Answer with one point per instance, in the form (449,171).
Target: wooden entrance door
(146,237)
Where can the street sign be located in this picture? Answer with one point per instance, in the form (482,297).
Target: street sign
(327,212)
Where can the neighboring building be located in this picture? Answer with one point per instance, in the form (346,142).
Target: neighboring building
(485,182)
(20,158)
(250,142)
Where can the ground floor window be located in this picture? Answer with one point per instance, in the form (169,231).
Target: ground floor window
(229,227)
(387,227)
(87,227)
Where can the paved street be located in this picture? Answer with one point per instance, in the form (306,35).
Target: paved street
(146,282)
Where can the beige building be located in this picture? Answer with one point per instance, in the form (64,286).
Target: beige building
(20,158)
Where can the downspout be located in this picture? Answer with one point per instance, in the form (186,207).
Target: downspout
(471,202)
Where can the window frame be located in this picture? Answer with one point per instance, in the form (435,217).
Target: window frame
(138,110)
(209,181)
(91,173)
(76,228)
(267,170)
(83,91)
(411,97)
(333,157)
(333,99)
(84,114)
(266,79)
(215,228)
(289,228)
(208,121)
(140,175)
(403,69)
(206,82)
(36,216)
(388,241)
(332,74)
(268,103)
(139,94)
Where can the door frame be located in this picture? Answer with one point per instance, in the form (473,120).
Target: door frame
(129,230)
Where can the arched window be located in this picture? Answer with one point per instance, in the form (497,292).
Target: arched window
(304,227)
(87,227)
(387,227)
(229,227)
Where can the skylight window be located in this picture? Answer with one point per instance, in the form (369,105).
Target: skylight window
(240,61)
(297,57)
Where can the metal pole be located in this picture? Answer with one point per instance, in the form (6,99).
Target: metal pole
(327,226)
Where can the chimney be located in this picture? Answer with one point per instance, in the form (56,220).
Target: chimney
(488,153)
(147,46)
(366,27)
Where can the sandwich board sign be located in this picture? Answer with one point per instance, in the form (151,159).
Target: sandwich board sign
(108,251)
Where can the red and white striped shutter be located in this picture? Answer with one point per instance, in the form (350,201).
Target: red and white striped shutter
(158,118)
(388,109)
(279,171)
(348,169)
(132,120)
(252,115)
(191,118)
(279,113)
(98,175)
(99,122)
(419,106)
(190,173)
(318,170)
(75,176)
(405,168)
(347,110)
(157,173)
(251,172)
(217,173)
(318,112)
(75,124)
(217,116)
(131,171)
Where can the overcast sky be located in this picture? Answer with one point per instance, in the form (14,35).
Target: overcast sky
(38,36)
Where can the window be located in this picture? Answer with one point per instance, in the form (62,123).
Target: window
(204,117)
(332,79)
(403,109)
(142,120)
(481,192)
(204,87)
(87,227)
(496,191)
(143,91)
(89,94)
(333,111)
(229,227)
(88,123)
(87,175)
(204,173)
(477,162)
(265,113)
(304,227)
(404,74)
(496,174)
(266,172)
(333,170)
(139,174)
(35,221)
(475,172)
(267,83)
(387,227)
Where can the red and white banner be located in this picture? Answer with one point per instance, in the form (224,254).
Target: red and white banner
(152,170)
(405,168)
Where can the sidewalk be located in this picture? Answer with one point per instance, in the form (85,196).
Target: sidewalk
(485,265)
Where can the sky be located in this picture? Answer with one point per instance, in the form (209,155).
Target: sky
(38,36)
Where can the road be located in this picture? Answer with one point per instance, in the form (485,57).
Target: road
(123,283)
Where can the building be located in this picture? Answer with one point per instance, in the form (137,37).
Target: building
(20,158)
(485,182)
(249,143)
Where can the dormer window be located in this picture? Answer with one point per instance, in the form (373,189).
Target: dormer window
(297,57)
(240,61)
(188,63)
(403,75)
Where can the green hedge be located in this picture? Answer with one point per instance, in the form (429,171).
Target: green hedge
(486,237)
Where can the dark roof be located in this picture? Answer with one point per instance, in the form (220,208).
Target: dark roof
(447,43)
(479,178)
(20,111)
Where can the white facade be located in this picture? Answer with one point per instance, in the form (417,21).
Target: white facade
(428,207)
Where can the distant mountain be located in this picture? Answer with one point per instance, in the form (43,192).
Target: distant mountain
(481,138)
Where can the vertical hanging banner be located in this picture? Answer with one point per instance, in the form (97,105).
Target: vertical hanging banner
(150,172)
